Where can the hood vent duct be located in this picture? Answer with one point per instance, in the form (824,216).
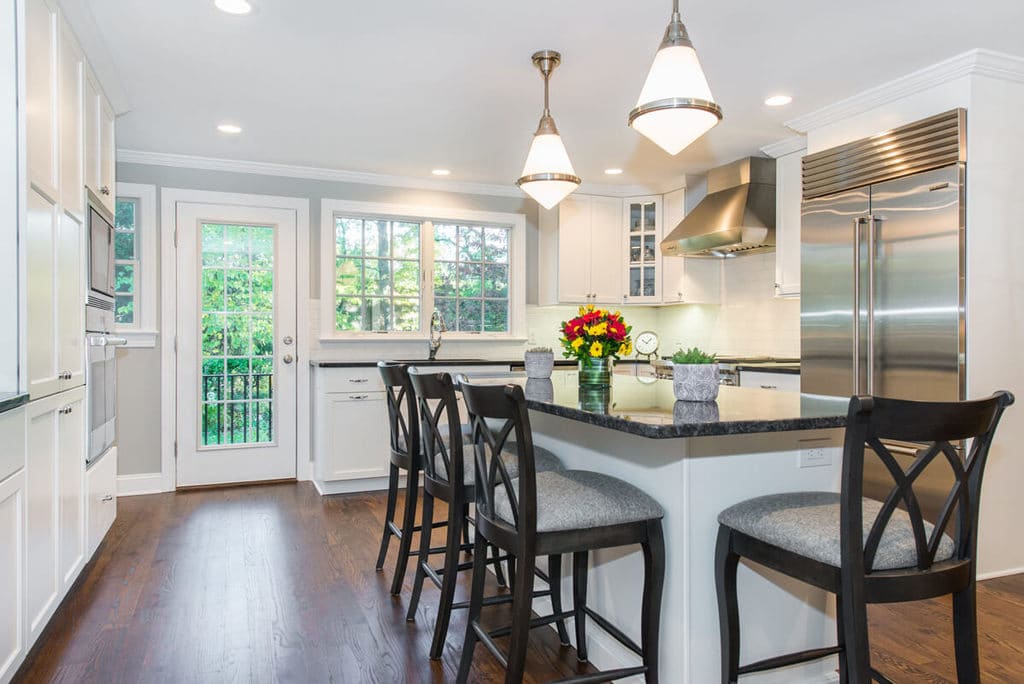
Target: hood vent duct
(736,218)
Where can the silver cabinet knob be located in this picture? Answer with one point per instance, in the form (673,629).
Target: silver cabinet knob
(287,339)
(287,358)
(105,190)
(108,497)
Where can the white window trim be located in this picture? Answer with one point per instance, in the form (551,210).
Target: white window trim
(329,208)
(143,333)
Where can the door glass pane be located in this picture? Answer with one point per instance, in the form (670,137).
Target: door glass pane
(634,218)
(634,282)
(237,335)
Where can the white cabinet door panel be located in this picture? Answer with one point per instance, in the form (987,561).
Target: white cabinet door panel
(41,93)
(12,573)
(101,499)
(107,154)
(352,435)
(43,368)
(70,301)
(788,189)
(605,250)
(91,118)
(72,192)
(71,487)
(574,215)
(42,584)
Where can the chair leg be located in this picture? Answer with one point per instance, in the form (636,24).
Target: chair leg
(654,582)
(511,572)
(522,607)
(465,525)
(841,641)
(498,572)
(412,489)
(423,557)
(449,579)
(389,515)
(726,563)
(555,585)
(965,635)
(476,602)
(579,602)
(855,635)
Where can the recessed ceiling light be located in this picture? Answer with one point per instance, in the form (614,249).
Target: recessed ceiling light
(233,6)
(441,172)
(778,100)
(232,129)
(613,172)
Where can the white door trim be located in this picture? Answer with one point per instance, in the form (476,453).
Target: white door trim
(169,199)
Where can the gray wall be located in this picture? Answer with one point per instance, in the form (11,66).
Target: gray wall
(139,380)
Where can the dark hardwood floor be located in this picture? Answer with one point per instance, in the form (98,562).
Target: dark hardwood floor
(275,583)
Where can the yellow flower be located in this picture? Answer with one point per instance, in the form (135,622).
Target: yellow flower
(577,343)
(626,349)
(590,307)
(596,349)
(582,311)
(598,329)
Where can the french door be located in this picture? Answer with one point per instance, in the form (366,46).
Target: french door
(236,365)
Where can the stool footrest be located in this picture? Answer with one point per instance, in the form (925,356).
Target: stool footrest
(603,623)
(494,600)
(790,659)
(487,641)
(604,676)
(534,623)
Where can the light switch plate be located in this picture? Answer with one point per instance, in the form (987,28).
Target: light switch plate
(815,456)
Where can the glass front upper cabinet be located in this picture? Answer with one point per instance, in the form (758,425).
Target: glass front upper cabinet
(643,233)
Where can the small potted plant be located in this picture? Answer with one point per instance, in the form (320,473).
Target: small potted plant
(539,362)
(595,338)
(694,375)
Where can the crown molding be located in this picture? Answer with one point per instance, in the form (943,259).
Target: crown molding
(978,62)
(795,143)
(185,161)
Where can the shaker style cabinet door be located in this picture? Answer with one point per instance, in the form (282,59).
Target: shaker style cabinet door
(42,583)
(41,88)
(70,286)
(72,192)
(71,487)
(44,371)
(353,440)
(12,573)
(91,118)
(107,154)
(574,245)
(605,252)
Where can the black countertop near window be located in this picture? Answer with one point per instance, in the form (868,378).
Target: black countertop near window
(560,363)
(648,407)
(12,400)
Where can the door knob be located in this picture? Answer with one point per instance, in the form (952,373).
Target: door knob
(287,358)
(287,339)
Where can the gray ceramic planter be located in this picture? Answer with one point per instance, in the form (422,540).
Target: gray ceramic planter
(695,382)
(539,364)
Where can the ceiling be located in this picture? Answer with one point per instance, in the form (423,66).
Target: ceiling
(406,86)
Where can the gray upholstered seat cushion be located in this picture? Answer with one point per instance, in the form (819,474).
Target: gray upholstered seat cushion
(807,523)
(543,460)
(581,499)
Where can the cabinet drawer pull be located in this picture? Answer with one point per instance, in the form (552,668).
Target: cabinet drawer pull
(108,497)
(359,396)
(769,387)
(358,380)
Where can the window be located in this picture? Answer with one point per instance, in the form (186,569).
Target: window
(135,287)
(387,269)
(126,262)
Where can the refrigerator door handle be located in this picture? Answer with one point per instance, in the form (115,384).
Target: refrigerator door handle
(874,222)
(857,222)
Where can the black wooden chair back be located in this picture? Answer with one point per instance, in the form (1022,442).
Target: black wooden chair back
(497,415)
(872,421)
(402,418)
(439,411)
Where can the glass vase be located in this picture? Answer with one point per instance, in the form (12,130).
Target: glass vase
(596,372)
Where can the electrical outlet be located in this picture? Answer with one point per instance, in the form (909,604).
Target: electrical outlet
(813,457)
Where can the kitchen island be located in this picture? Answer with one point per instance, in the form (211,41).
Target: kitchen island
(696,459)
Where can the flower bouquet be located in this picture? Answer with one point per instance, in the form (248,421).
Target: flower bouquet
(594,338)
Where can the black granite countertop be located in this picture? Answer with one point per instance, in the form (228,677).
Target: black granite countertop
(559,363)
(12,400)
(647,407)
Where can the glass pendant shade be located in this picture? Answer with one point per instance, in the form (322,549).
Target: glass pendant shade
(675,107)
(548,176)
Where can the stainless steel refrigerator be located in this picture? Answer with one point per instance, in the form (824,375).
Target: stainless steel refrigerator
(882,270)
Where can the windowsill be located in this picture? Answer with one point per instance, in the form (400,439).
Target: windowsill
(139,339)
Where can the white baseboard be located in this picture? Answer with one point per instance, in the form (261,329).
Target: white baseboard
(143,483)
(1000,573)
(366,484)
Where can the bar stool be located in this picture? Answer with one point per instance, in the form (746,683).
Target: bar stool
(867,551)
(446,477)
(532,513)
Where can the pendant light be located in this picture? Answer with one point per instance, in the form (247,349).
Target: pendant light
(675,106)
(548,176)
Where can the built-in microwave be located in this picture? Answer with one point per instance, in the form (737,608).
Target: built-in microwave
(101,251)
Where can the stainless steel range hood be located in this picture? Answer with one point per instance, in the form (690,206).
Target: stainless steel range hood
(737,216)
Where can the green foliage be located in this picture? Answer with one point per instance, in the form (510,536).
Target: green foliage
(693,356)
(539,350)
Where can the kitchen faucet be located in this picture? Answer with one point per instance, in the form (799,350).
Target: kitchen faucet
(437,327)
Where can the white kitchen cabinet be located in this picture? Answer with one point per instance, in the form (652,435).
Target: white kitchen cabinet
(101,499)
(352,437)
(687,280)
(56,300)
(99,143)
(12,573)
(54,529)
(13,644)
(766,379)
(641,255)
(71,124)
(71,431)
(584,235)
(41,91)
(788,198)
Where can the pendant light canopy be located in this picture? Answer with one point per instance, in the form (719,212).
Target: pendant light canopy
(548,176)
(675,106)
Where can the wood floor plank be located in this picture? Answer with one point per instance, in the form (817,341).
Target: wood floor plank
(273,583)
